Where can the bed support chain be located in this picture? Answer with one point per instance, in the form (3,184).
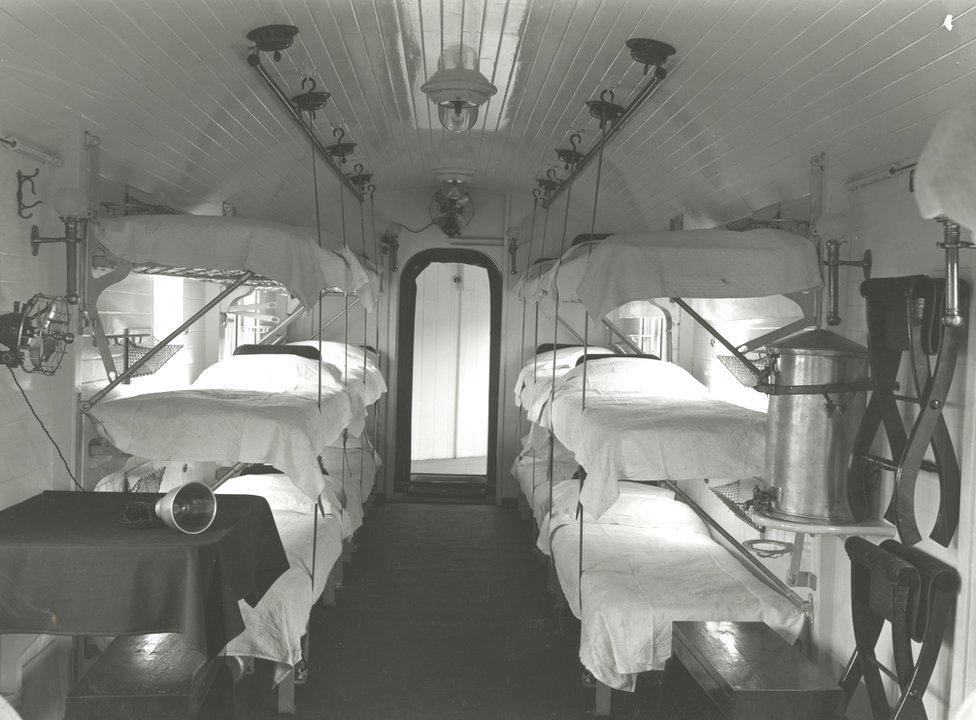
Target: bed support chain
(903,315)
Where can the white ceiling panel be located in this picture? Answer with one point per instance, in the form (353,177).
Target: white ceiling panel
(755,88)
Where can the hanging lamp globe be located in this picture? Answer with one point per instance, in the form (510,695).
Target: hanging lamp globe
(458,93)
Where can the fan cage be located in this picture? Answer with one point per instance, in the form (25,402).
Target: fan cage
(741,372)
(44,334)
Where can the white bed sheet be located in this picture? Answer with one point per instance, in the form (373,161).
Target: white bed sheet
(370,381)
(539,370)
(530,469)
(637,581)
(284,253)
(275,420)
(696,264)
(649,420)
(356,477)
(273,629)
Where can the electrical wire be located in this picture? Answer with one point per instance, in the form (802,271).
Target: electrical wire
(44,428)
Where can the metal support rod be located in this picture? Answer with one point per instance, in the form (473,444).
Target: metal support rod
(569,328)
(325,326)
(833,299)
(721,338)
(747,558)
(150,354)
(283,325)
(668,331)
(775,335)
(632,107)
(631,345)
(951,243)
(254,60)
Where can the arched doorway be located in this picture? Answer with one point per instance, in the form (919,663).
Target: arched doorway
(460,378)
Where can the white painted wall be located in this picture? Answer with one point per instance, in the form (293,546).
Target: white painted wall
(28,461)
(452,352)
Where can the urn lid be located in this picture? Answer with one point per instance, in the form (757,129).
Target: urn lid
(819,342)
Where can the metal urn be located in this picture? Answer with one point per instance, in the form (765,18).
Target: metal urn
(818,389)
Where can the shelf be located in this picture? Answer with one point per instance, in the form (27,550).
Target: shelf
(868,528)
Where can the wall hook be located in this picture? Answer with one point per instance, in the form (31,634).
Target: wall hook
(21,181)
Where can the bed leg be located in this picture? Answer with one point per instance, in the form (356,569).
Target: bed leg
(603,694)
(286,694)
(551,582)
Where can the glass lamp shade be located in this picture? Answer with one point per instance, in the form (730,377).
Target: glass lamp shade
(71,202)
(457,117)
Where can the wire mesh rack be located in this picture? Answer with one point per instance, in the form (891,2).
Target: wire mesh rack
(147,483)
(741,372)
(732,496)
(134,353)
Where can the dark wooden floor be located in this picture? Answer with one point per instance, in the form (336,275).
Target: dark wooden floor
(444,615)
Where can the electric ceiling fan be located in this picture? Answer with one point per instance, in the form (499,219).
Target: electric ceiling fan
(451,209)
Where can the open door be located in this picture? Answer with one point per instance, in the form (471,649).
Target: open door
(447,376)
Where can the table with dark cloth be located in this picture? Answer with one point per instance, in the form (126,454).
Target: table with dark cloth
(68,566)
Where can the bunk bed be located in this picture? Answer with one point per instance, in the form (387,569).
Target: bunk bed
(270,409)
(280,409)
(649,561)
(648,419)
(275,626)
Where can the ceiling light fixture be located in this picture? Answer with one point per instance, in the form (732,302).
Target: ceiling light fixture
(457,92)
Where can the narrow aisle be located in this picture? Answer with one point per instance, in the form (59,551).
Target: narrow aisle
(444,615)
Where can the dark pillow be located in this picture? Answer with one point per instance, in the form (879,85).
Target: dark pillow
(548,347)
(305,351)
(599,356)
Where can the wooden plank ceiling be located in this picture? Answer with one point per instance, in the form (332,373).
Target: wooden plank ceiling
(756,88)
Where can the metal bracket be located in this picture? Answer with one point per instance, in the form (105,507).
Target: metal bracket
(22,180)
(796,577)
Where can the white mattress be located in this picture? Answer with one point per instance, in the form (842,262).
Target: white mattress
(531,470)
(695,264)
(273,629)
(650,420)
(355,365)
(638,580)
(276,420)
(539,370)
(356,477)
(289,255)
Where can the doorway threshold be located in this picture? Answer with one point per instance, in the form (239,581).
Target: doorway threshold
(446,486)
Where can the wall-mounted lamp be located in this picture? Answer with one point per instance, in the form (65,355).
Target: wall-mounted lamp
(832,228)
(390,244)
(513,243)
(72,206)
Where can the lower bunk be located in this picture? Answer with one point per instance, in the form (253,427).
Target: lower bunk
(648,563)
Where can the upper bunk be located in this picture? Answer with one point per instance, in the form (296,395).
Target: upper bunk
(231,250)
(606,274)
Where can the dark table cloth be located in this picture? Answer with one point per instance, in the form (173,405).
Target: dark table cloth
(69,567)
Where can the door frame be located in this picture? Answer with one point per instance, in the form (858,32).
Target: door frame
(407,314)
